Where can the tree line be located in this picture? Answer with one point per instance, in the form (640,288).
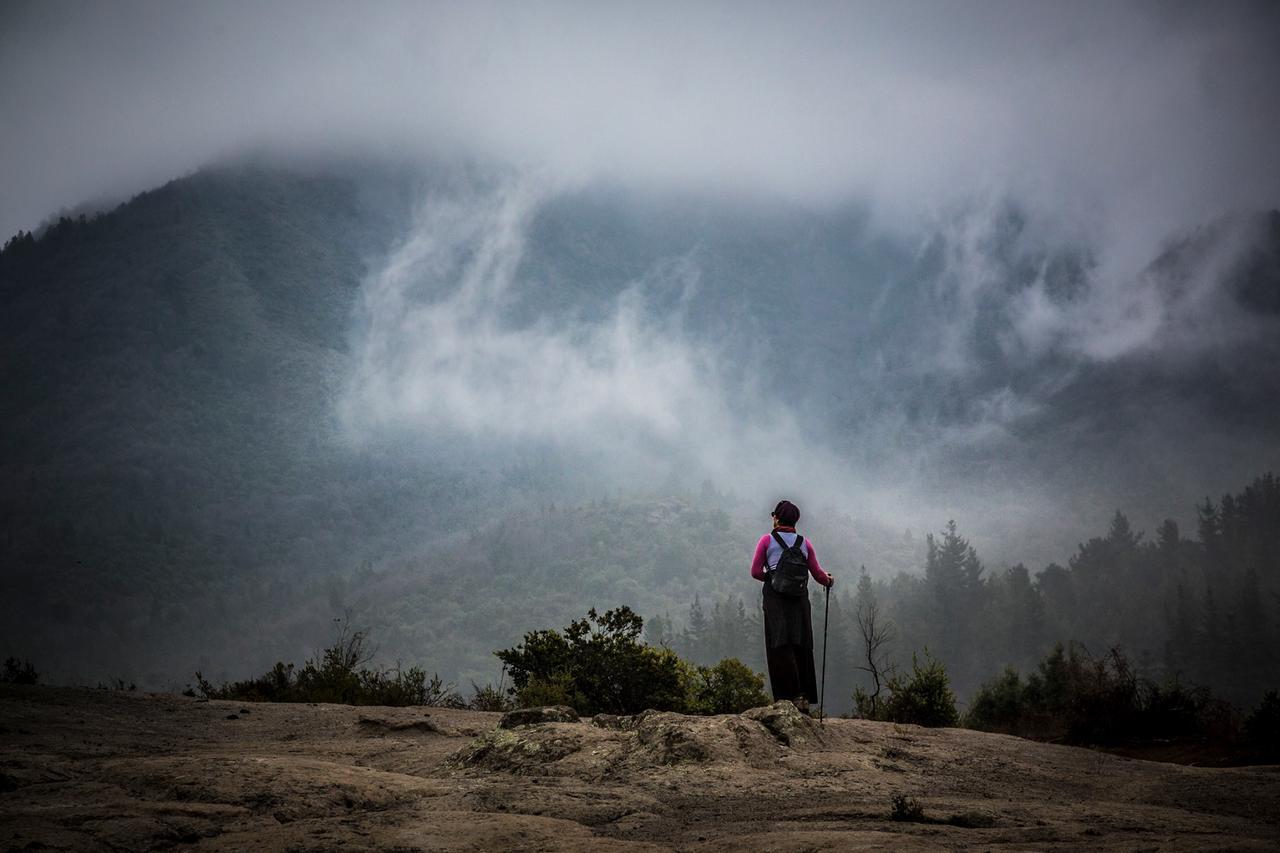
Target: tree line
(1200,610)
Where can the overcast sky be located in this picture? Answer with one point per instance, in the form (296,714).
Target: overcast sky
(1114,126)
(1146,115)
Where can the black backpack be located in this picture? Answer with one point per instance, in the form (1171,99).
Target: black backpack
(791,576)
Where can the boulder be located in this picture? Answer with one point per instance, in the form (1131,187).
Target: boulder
(526,752)
(785,722)
(612,721)
(672,738)
(533,716)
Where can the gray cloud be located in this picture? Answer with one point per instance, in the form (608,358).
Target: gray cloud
(1113,125)
(640,396)
(637,389)
(1139,117)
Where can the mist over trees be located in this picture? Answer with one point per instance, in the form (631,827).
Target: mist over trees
(1200,611)
(180,493)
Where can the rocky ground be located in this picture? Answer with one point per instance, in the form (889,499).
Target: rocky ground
(102,770)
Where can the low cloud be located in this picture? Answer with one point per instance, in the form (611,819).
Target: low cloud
(637,397)
(434,354)
(1112,127)
(1121,122)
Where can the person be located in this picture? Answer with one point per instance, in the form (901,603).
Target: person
(788,625)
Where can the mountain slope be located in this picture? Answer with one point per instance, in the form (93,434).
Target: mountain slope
(180,480)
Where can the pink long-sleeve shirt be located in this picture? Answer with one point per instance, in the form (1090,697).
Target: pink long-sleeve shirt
(758,562)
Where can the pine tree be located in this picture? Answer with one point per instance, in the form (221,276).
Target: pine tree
(1207,526)
(695,633)
(953,573)
(657,631)
(1167,539)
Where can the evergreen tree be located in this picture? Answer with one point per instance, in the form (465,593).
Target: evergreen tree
(1020,617)
(694,645)
(658,631)
(750,648)
(1167,539)
(1208,527)
(1258,645)
(953,574)
(1180,648)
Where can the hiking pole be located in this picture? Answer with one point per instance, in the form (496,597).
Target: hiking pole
(826,613)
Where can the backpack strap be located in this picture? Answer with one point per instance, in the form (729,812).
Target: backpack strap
(781,544)
(784,546)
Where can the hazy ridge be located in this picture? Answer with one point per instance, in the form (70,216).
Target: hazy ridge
(192,481)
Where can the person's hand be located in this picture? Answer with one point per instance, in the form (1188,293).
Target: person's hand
(831,580)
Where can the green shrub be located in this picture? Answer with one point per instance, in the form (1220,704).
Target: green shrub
(274,686)
(1174,710)
(729,687)
(118,684)
(555,689)
(1262,728)
(596,665)
(339,676)
(18,672)
(488,698)
(866,706)
(925,698)
(1077,698)
(1095,700)
(999,705)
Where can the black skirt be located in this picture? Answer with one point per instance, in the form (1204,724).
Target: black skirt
(787,620)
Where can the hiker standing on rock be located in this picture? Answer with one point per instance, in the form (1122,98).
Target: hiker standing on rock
(783,562)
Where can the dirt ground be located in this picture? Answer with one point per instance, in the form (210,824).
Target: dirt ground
(103,770)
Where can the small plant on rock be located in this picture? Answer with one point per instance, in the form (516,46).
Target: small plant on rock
(489,698)
(905,808)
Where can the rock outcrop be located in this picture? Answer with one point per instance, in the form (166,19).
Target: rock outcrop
(93,770)
(785,722)
(534,716)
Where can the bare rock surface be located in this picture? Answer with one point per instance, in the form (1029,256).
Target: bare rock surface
(545,714)
(103,770)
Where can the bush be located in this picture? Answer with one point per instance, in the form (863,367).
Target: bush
(597,665)
(118,684)
(924,699)
(729,687)
(1096,700)
(1079,699)
(865,706)
(18,672)
(999,705)
(488,698)
(339,676)
(1176,710)
(555,689)
(905,808)
(1262,728)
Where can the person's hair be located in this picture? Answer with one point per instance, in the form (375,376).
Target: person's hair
(787,513)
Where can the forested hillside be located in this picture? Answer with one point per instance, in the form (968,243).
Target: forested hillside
(183,486)
(169,373)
